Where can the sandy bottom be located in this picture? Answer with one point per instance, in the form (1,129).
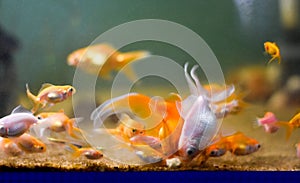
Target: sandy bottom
(276,153)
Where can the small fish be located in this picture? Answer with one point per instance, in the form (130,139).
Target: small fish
(237,143)
(17,123)
(240,144)
(88,152)
(9,147)
(290,125)
(57,122)
(273,50)
(49,95)
(153,142)
(233,104)
(268,122)
(29,144)
(102,59)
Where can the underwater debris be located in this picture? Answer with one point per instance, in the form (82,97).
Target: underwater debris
(49,95)
(104,56)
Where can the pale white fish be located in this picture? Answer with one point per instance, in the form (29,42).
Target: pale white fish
(201,124)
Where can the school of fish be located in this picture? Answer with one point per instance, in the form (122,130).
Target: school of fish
(182,127)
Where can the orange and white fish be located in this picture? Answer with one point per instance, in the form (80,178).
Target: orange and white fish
(127,128)
(29,144)
(49,95)
(290,125)
(272,49)
(57,122)
(102,59)
(237,143)
(233,104)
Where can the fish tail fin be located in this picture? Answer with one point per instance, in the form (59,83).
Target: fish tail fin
(272,59)
(33,98)
(75,150)
(289,128)
(279,59)
(129,57)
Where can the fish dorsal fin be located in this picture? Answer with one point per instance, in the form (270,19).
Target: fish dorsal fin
(20,109)
(45,85)
(185,106)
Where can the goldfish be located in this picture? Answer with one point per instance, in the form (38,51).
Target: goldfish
(17,123)
(127,128)
(272,49)
(233,104)
(57,122)
(49,95)
(290,125)
(78,148)
(106,57)
(9,147)
(268,122)
(29,144)
(88,152)
(237,143)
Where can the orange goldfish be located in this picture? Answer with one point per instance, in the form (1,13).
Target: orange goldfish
(273,50)
(57,122)
(233,104)
(237,144)
(104,56)
(78,148)
(9,147)
(290,125)
(49,95)
(128,127)
(29,144)
(88,152)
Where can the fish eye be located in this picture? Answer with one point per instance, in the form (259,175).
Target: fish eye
(71,89)
(258,146)
(39,117)
(41,148)
(2,130)
(134,130)
(213,153)
(191,151)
